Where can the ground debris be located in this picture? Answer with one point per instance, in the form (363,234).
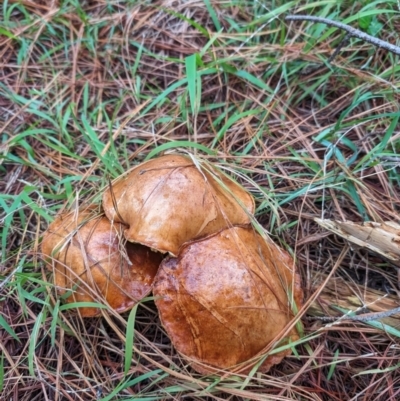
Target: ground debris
(361,303)
(382,238)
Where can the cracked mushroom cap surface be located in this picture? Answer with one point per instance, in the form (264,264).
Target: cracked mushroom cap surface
(168,201)
(87,257)
(225,298)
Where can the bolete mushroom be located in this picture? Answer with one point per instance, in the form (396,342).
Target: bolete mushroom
(225,298)
(170,200)
(91,259)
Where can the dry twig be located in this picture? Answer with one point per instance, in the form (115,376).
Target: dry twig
(351,31)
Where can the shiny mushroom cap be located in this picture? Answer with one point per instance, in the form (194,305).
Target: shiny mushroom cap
(168,201)
(225,298)
(88,258)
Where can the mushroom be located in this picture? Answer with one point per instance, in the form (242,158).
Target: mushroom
(90,260)
(225,298)
(170,200)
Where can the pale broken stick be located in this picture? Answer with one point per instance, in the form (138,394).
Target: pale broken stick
(382,238)
(341,294)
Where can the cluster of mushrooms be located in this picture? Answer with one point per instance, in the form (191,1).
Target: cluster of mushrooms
(181,229)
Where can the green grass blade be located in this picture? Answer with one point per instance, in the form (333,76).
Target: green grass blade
(163,96)
(333,366)
(190,21)
(130,337)
(179,144)
(7,33)
(54,321)
(213,15)
(253,80)
(75,305)
(373,323)
(191,75)
(232,120)
(125,384)
(32,343)
(8,328)
(378,371)
(273,14)
(389,132)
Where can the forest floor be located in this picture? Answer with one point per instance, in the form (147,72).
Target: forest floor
(89,89)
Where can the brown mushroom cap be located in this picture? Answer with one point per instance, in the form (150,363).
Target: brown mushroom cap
(225,298)
(168,201)
(87,256)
